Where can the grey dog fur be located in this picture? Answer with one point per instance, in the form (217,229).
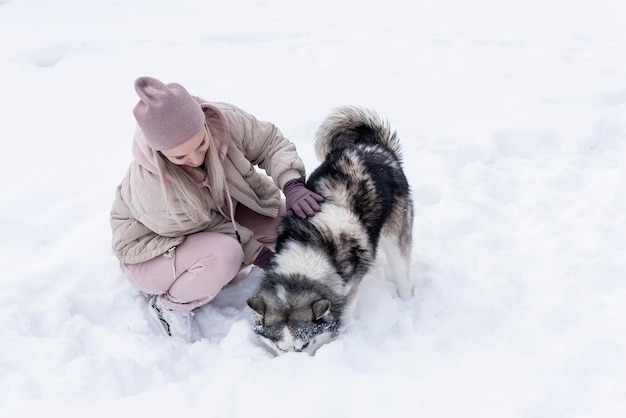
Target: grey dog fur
(308,290)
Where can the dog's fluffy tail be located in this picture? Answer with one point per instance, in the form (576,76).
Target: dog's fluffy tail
(349,125)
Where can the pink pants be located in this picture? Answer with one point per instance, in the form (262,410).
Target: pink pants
(205,262)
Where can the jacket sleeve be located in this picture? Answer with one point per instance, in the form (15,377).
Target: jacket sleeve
(264,145)
(132,242)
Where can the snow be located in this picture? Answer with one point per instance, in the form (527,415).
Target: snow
(513,122)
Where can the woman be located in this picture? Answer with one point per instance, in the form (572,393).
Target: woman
(193,210)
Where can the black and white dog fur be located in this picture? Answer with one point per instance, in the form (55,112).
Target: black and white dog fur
(309,289)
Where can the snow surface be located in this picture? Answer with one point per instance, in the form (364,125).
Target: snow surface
(513,121)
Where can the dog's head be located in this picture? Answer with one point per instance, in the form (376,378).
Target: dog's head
(288,321)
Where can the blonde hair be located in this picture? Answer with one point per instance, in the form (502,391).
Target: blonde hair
(185,197)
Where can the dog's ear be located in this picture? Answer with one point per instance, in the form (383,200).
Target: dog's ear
(257,305)
(320,308)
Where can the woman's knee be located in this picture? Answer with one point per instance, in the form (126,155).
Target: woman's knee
(202,263)
(209,249)
(202,275)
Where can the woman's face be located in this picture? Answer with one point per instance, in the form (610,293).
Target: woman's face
(191,152)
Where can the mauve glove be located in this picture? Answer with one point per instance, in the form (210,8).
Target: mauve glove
(300,200)
(264,257)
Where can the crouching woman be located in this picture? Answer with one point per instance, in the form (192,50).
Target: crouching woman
(193,210)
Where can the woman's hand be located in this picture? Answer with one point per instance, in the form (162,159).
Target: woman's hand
(300,200)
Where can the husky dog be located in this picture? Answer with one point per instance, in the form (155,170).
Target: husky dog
(309,288)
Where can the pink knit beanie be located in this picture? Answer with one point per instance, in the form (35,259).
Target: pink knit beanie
(166,113)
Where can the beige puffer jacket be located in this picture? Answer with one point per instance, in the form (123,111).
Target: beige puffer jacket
(141,226)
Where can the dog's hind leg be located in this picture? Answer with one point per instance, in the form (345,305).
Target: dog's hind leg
(396,241)
(399,262)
